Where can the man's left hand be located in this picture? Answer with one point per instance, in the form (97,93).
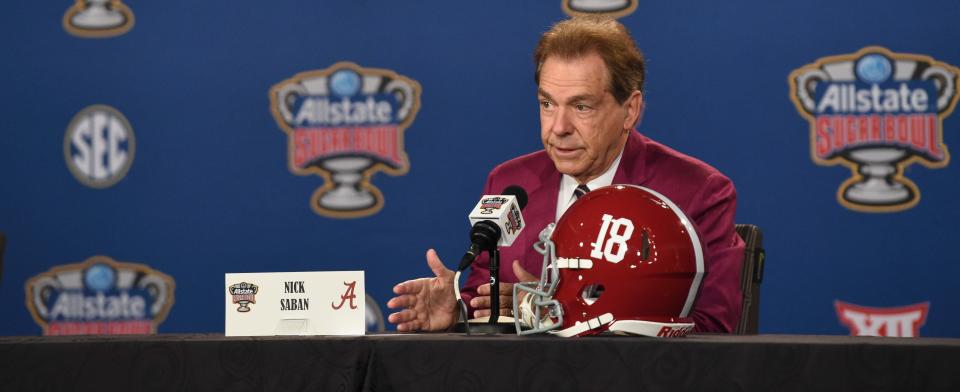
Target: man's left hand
(482,301)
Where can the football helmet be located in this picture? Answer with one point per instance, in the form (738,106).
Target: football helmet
(623,258)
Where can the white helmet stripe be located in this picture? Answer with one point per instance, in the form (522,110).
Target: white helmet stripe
(579,327)
(697,248)
(574,263)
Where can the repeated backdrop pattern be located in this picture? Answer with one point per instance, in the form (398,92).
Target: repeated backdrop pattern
(153,139)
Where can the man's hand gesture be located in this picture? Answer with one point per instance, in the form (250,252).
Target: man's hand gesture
(428,303)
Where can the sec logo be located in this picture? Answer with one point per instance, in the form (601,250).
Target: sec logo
(99,146)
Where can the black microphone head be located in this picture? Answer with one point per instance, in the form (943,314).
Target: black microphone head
(518,192)
(485,234)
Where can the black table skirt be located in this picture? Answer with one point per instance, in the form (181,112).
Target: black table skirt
(453,362)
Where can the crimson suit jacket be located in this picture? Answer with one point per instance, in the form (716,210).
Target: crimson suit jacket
(703,193)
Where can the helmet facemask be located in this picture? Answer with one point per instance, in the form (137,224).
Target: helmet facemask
(537,310)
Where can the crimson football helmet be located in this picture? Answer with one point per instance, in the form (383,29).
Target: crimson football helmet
(623,258)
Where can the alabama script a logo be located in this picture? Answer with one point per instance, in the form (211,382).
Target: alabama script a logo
(876,112)
(345,123)
(903,321)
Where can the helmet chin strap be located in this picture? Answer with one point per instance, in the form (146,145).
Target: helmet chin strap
(526,316)
(581,327)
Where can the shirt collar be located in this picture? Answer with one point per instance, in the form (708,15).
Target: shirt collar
(568,184)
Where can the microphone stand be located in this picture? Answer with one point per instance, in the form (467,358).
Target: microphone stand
(492,326)
(494,284)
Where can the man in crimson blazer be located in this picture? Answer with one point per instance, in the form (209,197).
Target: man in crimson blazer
(590,78)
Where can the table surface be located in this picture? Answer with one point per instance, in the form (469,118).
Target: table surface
(445,362)
(692,338)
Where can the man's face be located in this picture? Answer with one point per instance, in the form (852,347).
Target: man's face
(582,126)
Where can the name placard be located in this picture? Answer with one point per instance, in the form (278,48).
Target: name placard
(295,303)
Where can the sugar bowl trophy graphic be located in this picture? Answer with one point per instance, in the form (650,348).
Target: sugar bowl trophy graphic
(100,296)
(98,18)
(346,123)
(613,8)
(244,294)
(876,112)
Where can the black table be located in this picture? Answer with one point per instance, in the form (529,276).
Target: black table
(453,362)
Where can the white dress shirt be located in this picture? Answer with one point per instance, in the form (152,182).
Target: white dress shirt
(566,196)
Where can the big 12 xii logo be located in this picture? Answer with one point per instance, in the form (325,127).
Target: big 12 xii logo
(346,123)
(901,321)
(876,112)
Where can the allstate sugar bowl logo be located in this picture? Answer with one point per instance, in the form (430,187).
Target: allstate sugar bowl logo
(98,18)
(876,112)
(612,8)
(244,294)
(100,297)
(99,146)
(492,203)
(346,123)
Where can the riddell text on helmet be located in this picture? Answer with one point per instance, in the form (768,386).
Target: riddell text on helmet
(670,332)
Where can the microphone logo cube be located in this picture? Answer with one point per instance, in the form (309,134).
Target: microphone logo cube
(504,211)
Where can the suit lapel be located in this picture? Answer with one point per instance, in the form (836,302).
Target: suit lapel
(540,211)
(543,196)
(631,170)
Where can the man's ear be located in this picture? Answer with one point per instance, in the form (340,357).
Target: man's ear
(634,110)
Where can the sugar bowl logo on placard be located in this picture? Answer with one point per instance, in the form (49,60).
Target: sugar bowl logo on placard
(612,8)
(99,146)
(244,294)
(98,18)
(876,112)
(100,296)
(346,123)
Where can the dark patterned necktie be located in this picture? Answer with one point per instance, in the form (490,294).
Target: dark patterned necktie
(580,191)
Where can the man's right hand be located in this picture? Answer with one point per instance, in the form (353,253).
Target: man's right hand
(428,303)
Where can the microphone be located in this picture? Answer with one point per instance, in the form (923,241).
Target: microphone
(496,221)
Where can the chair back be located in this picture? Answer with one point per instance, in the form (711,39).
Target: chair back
(374,316)
(751,275)
(3,244)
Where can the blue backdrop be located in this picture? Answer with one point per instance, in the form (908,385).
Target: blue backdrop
(210,191)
